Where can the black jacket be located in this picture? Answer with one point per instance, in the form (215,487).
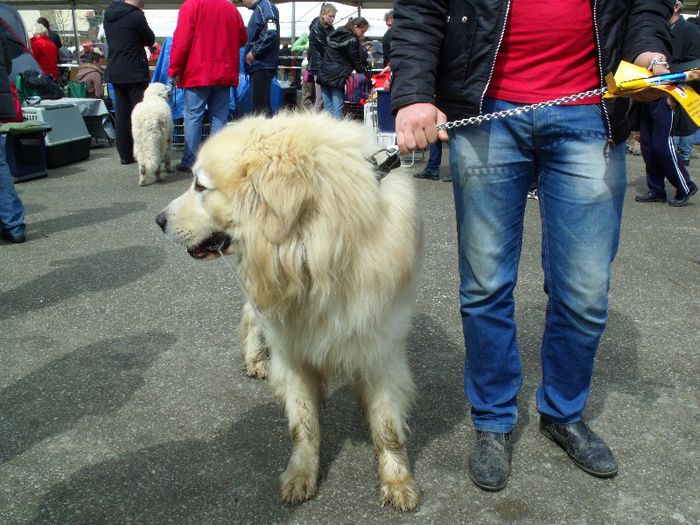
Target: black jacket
(343,54)
(444,51)
(7,103)
(386,47)
(127,34)
(685,41)
(318,36)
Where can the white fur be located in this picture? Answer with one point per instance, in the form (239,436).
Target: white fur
(329,256)
(152,128)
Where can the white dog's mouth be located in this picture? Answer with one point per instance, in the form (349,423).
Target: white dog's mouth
(213,246)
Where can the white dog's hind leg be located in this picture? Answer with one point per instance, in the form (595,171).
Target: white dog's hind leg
(167,154)
(300,389)
(255,352)
(142,175)
(385,394)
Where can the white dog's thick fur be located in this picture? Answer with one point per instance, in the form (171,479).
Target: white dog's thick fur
(329,256)
(152,128)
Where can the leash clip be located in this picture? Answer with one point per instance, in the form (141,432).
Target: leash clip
(392,161)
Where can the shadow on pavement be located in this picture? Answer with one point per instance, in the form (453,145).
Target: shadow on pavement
(96,272)
(86,217)
(92,380)
(235,476)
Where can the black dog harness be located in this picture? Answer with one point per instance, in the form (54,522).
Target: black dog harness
(392,161)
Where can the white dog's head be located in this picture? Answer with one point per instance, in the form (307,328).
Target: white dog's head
(157,90)
(287,195)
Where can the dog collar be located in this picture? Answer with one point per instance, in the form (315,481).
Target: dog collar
(391,161)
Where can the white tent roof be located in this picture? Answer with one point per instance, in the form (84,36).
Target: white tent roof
(158,4)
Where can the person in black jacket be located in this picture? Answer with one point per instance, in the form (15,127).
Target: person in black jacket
(12,227)
(386,39)
(344,54)
(658,120)
(128,34)
(320,28)
(53,35)
(452,60)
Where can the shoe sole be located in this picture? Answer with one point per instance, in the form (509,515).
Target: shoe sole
(488,488)
(546,433)
(685,201)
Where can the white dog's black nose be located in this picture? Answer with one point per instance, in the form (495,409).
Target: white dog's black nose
(161,220)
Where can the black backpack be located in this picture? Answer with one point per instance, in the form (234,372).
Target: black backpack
(43,85)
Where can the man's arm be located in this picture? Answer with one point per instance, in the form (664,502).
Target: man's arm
(417,36)
(267,36)
(149,38)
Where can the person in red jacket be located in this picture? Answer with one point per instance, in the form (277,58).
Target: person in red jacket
(44,51)
(204,61)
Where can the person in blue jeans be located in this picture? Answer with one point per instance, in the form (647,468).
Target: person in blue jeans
(576,154)
(684,148)
(344,54)
(432,167)
(12,227)
(204,62)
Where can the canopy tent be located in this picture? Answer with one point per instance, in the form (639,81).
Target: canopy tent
(691,6)
(173,4)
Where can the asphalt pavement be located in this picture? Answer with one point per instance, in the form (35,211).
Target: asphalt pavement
(123,397)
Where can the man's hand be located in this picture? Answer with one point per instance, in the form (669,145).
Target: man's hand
(416,126)
(176,80)
(249,58)
(644,60)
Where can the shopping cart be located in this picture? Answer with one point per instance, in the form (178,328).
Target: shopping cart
(380,125)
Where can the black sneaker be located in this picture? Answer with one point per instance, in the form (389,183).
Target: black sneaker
(588,451)
(183,167)
(425,174)
(17,239)
(682,200)
(489,460)
(651,197)
(127,161)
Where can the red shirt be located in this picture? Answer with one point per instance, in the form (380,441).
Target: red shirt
(45,53)
(548,51)
(206,43)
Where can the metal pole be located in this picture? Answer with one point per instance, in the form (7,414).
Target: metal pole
(294,22)
(75,31)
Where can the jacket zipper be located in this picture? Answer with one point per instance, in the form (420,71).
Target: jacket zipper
(495,56)
(600,69)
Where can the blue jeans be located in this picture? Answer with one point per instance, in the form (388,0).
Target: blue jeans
(214,99)
(333,100)
(11,207)
(581,188)
(435,159)
(684,146)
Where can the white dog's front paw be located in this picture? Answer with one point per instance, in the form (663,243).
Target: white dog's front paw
(256,369)
(401,494)
(298,485)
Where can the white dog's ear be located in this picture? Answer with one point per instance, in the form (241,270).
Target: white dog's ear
(286,193)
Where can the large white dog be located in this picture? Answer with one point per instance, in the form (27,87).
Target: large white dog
(152,128)
(328,256)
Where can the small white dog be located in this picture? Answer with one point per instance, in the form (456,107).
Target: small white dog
(329,256)
(152,128)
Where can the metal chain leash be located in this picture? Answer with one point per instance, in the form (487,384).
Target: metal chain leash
(474,121)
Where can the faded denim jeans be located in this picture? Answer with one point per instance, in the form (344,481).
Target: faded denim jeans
(581,183)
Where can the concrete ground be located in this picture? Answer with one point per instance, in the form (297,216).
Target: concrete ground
(123,400)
